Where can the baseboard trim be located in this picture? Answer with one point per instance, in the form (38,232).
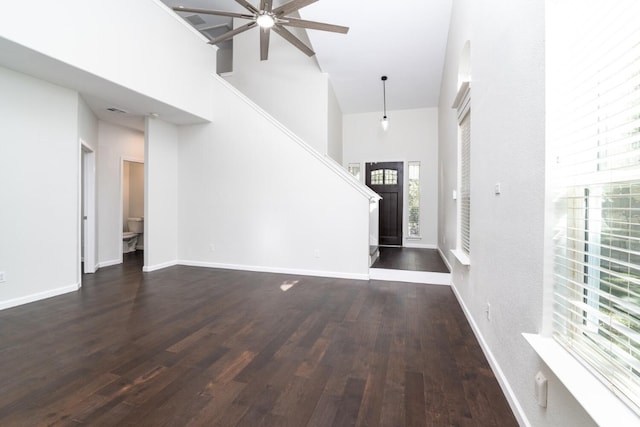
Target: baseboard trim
(426,277)
(278,270)
(109,263)
(150,268)
(409,244)
(38,296)
(495,367)
(444,258)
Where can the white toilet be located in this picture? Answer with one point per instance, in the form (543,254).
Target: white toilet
(133,239)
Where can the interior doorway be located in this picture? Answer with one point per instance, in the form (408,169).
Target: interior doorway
(87,209)
(132,206)
(386,179)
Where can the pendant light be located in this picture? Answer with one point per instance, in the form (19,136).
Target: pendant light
(385,121)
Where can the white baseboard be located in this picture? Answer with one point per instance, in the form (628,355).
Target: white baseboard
(444,258)
(427,277)
(109,263)
(495,367)
(410,244)
(38,296)
(264,269)
(150,268)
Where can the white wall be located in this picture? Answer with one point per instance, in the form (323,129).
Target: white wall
(161,195)
(251,197)
(334,125)
(132,192)
(166,60)
(39,176)
(289,85)
(412,136)
(136,190)
(507,147)
(115,143)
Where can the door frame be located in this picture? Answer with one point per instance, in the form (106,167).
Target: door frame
(121,211)
(87,206)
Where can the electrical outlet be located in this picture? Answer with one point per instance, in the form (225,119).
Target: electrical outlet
(2,277)
(487,311)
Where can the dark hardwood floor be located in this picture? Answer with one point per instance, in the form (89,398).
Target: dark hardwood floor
(412,259)
(188,346)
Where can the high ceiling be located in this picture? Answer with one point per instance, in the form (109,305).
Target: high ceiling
(402,39)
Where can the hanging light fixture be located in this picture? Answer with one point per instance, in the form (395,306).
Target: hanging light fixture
(385,121)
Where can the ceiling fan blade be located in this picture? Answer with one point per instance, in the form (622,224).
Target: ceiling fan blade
(213,12)
(232,33)
(266,5)
(264,43)
(286,34)
(251,8)
(292,6)
(301,23)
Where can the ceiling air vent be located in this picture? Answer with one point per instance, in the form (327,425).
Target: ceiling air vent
(194,20)
(116,110)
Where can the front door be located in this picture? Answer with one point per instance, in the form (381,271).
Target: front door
(385,178)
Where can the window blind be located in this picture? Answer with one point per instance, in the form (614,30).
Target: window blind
(594,135)
(465,182)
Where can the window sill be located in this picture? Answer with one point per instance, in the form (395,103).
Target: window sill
(596,399)
(461,257)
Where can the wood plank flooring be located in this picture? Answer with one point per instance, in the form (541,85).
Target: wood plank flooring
(412,259)
(188,346)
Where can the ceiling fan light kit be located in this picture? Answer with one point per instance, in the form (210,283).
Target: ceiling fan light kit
(268,18)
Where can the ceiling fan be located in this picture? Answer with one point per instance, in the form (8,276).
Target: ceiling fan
(267,18)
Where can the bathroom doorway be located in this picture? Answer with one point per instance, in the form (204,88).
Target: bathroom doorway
(132,206)
(87,209)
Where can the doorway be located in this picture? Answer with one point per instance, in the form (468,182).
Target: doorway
(87,209)
(386,179)
(132,207)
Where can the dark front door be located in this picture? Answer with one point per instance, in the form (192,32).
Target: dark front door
(385,178)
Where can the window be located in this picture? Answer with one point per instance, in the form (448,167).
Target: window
(384,177)
(465,184)
(414,199)
(594,135)
(354,169)
(463,104)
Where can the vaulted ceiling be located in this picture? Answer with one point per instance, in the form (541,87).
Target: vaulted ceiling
(402,39)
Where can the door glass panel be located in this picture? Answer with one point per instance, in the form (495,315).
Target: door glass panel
(390,177)
(377,177)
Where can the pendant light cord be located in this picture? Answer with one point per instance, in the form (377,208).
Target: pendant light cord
(384,95)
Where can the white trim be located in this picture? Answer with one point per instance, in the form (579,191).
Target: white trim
(596,399)
(150,268)
(444,258)
(88,195)
(427,277)
(110,262)
(461,257)
(39,296)
(123,159)
(408,244)
(264,269)
(331,164)
(495,367)
(462,98)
